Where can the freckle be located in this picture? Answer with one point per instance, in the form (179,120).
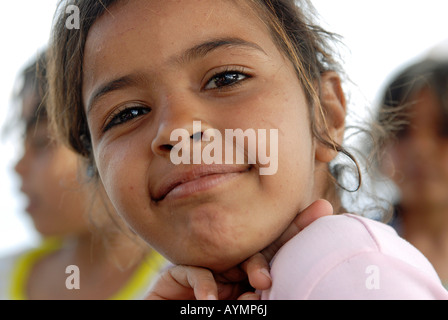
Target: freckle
(131,188)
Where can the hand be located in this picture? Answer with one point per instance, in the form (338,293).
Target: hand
(188,283)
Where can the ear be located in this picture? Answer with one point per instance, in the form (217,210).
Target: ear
(386,164)
(331,117)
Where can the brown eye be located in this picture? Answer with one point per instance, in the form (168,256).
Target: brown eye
(126,115)
(225,79)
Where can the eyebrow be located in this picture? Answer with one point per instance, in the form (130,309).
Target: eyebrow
(111,86)
(201,50)
(196,52)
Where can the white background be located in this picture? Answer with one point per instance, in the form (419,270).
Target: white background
(380,35)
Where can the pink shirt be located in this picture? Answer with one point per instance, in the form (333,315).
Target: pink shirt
(346,257)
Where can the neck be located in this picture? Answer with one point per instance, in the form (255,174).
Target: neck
(325,188)
(118,251)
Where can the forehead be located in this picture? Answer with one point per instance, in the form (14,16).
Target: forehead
(168,24)
(160,15)
(137,32)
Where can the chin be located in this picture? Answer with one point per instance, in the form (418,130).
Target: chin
(220,264)
(216,258)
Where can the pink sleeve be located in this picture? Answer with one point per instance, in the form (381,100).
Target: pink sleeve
(375,276)
(350,257)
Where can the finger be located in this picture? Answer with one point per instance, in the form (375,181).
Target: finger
(184,283)
(316,210)
(257,270)
(203,283)
(235,274)
(249,296)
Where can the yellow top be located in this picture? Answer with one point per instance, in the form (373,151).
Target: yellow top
(132,290)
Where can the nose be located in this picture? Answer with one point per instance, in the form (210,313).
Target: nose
(180,119)
(21,167)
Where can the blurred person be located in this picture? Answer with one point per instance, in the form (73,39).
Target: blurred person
(86,253)
(413,118)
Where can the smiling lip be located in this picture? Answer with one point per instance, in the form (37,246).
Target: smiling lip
(198,178)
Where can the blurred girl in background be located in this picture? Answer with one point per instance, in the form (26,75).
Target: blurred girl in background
(74,217)
(413,123)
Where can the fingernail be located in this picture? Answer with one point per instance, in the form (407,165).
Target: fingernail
(266,273)
(250,296)
(211,297)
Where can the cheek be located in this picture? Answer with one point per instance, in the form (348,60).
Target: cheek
(123,176)
(282,113)
(53,171)
(292,152)
(293,184)
(295,149)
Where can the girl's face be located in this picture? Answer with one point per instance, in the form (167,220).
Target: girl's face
(57,202)
(151,67)
(420,157)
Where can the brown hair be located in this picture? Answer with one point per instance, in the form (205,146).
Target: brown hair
(396,102)
(305,44)
(30,81)
(34,80)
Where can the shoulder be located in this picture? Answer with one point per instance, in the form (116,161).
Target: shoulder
(335,255)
